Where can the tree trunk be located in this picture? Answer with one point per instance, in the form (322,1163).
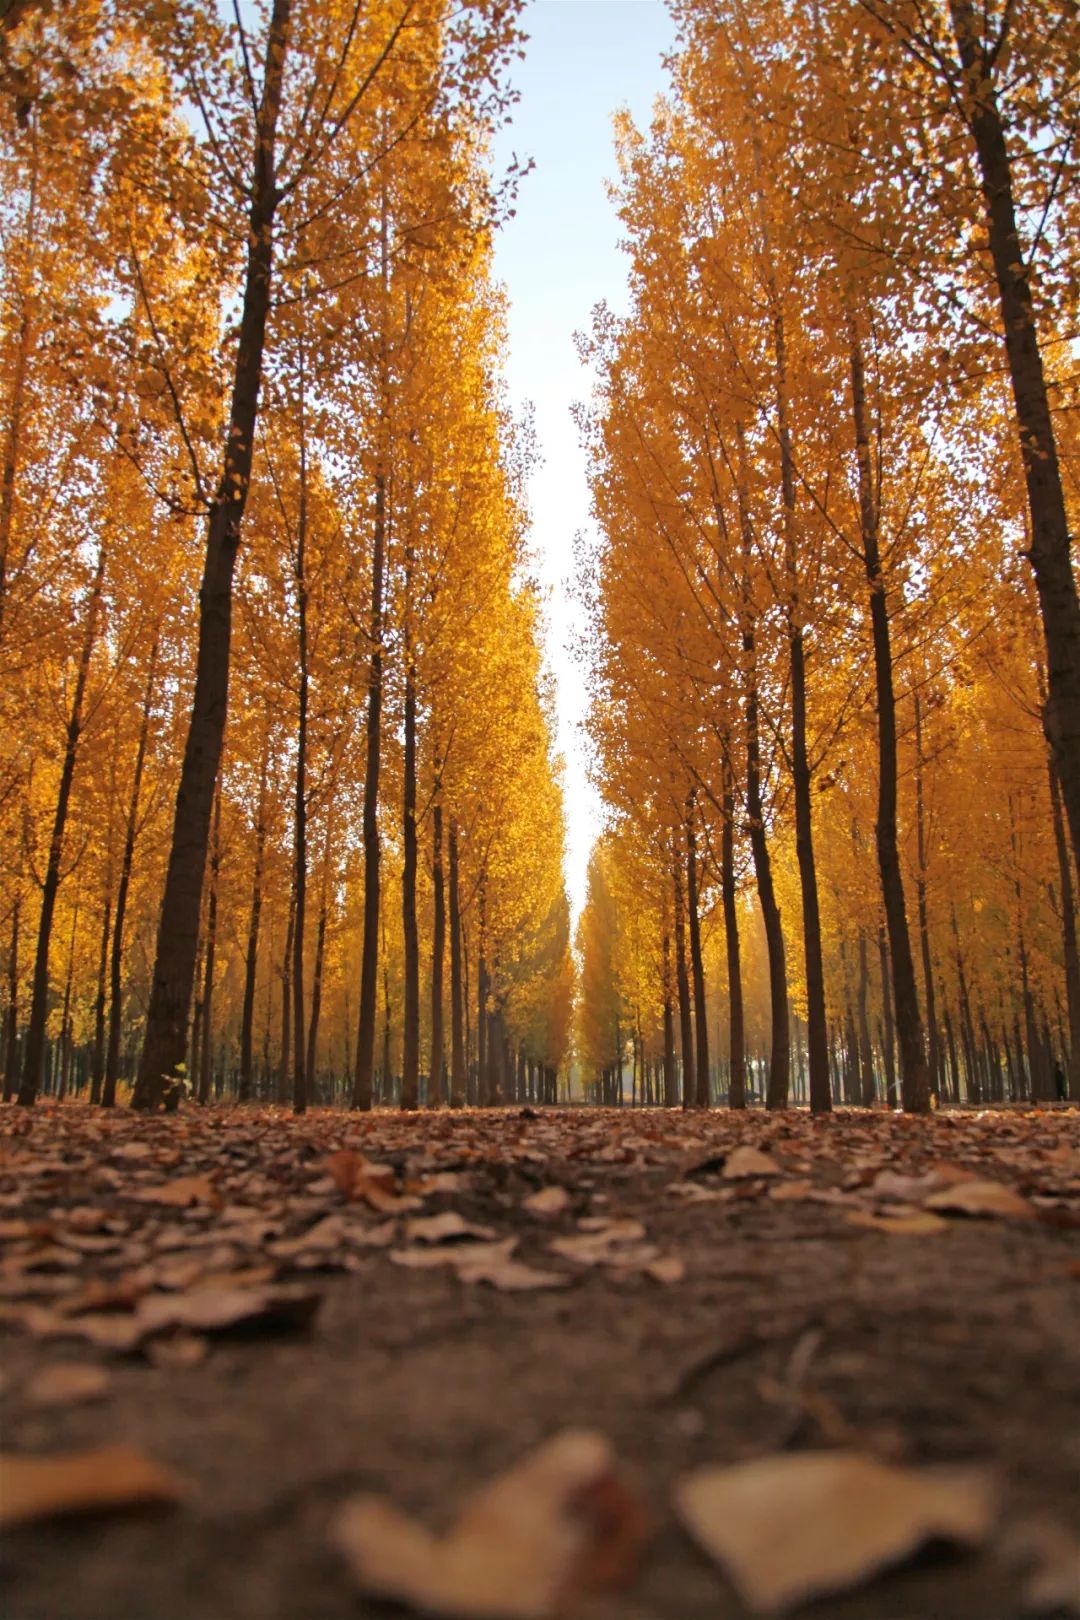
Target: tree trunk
(318,967)
(206,1065)
(934,1056)
(887,1019)
(251,954)
(1068,936)
(682,981)
(369,964)
(458,1074)
(300,807)
(701,1032)
(438,953)
(671,1079)
(283,1088)
(914,1079)
(116,963)
(1050,551)
(736,1031)
(866,1058)
(410,1053)
(97,1061)
(34,1049)
(178,931)
(11,1044)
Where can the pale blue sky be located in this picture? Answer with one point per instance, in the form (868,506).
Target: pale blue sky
(558,257)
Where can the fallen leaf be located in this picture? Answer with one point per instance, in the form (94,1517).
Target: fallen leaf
(904,1223)
(980,1198)
(66,1383)
(668,1269)
(548,1201)
(788,1528)
(749,1161)
(183,1192)
(109,1477)
(449,1227)
(212,1310)
(563,1522)
(178,1350)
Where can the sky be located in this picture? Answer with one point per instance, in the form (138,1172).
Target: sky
(558,257)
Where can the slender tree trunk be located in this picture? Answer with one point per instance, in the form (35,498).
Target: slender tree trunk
(933,1045)
(174,965)
(887,1019)
(780,1042)
(866,1056)
(736,1028)
(369,965)
(11,1044)
(682,981)
(1068,936)
(410,1055)
(671,1079)
(131,832)
(64,1054)
(251,954)
(34,1049)
(283,1087)
(1050,552)
(438,953)
(816,1030)
(97,1062)
(458,1073)
(318,967)
(697,965)
(206,1067)
(914,1082)
(300,806)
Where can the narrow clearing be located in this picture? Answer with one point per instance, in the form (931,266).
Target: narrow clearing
(278,1321)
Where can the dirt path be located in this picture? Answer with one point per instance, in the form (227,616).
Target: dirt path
(794,1325)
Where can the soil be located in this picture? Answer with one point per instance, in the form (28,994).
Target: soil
(792,1327)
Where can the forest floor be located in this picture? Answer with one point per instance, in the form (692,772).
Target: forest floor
(264,1308)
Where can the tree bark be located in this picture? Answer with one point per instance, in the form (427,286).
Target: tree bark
(300,807)
(369,964)
(251,953)
(889,1034)
(697,965)
(671,1079)
(1050,552)
(206,1063)
(933,1045)
(438,953)
(458,1073)
(178,931)
(914,1078)
(11,1043)
(34,1049)
(97,1060)
(1068,936)
(410,1053)
(736,1029)
(682,981)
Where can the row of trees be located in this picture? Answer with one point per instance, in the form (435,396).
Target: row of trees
(278,803)
(836,639)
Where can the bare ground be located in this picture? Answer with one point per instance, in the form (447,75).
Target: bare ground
(792,1327)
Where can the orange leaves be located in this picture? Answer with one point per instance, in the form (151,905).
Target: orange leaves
(108,1479)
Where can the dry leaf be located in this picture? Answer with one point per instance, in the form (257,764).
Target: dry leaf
(668,1269)
(562,1522)
(66,1383)
(448,1227)
(980,1198)
(183,1192)
(788,1528)
(749,1161)
(903,1223)
(108,1477)
(548,1201)
(213,1310)
(178,1350)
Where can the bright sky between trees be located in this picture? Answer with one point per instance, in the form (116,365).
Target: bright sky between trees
(558,257)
